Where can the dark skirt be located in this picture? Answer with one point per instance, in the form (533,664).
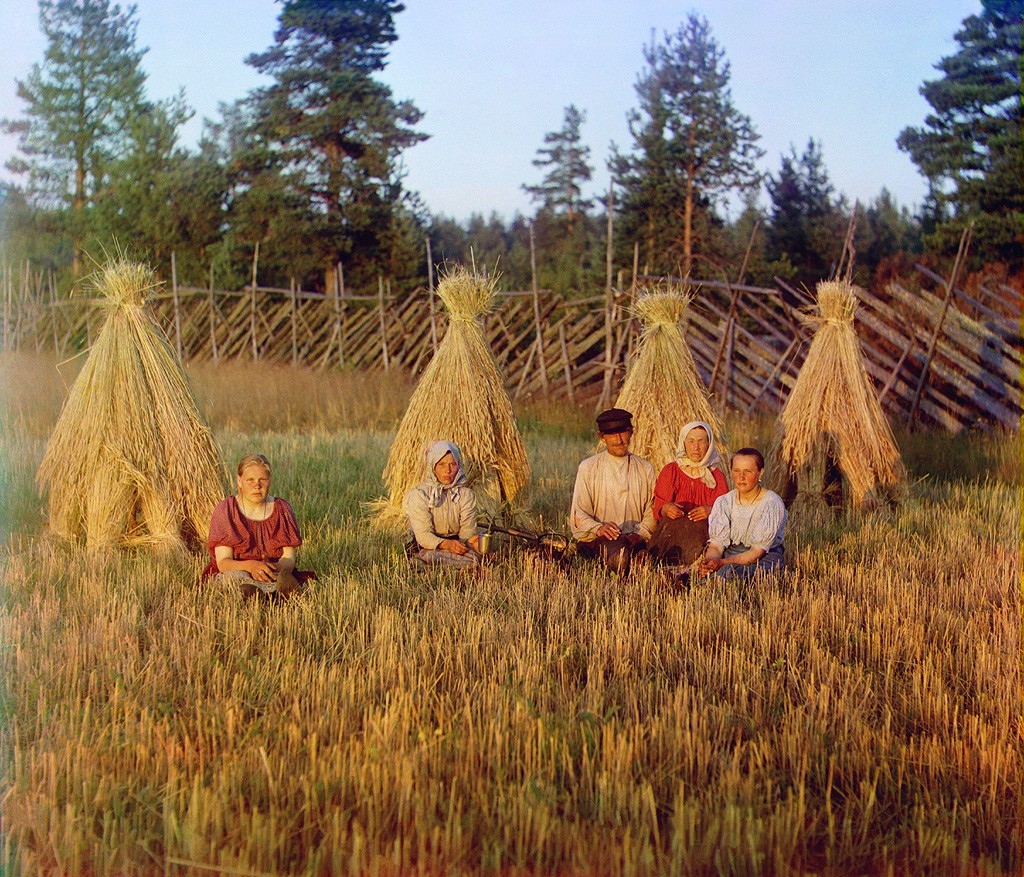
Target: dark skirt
(678,541)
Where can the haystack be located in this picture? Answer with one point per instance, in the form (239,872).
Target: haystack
(461,397)
(832,424)
(131,459)
(663,389)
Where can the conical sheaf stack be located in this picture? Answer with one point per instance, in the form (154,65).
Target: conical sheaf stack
(663,389)
(832,414)
(461,397)
(131,459)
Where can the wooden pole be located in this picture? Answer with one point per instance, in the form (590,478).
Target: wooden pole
(430,291)
(771,377)
(213,318)
(294,316)
(252,303)
(53,313)
(383,324)
(965,242)
(636,264)
(731,315)
(608,250)
(340,273)
(7,306)
(891,382)
(177,305)
(849,252)
(536,315)
(39,307)
(339,329)
(565,362)
(609,343)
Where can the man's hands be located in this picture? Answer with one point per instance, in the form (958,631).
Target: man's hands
(612,531)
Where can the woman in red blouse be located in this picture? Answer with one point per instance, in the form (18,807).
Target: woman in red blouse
(253,536)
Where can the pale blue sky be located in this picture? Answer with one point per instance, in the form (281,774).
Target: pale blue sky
(494,77)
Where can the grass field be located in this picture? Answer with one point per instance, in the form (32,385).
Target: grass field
(858,716)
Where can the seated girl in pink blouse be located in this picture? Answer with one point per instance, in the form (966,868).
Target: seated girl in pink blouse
(253,536)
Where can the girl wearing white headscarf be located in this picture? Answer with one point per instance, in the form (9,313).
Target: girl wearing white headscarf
(442,511)
(684,493)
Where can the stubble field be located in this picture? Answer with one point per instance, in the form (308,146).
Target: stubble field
(858,716)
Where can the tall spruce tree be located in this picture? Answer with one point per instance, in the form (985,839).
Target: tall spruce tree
(336,132)
(80,101)
(969,148)
(566,159)
(690,144)
(807,221)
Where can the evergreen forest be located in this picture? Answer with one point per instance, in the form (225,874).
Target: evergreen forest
(307,170)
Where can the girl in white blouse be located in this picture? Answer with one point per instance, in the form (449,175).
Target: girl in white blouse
(746,526)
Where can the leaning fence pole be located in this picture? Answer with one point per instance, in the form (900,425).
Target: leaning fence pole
(213,318)
(294,316)
(565,362)
(731,314)
(606,390)
(252,303)
(383,323)
(53,313)
(7,305)
(430,290)
(339,327)
(965,242)
(536,314)
(177,307)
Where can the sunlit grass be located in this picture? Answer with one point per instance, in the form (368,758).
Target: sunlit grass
(858,716)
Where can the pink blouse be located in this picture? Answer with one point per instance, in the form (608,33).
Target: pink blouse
(249,539)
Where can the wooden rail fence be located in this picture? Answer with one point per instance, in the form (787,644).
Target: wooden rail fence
(748,342)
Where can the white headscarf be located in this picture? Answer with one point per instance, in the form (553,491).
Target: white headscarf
(436,451)
(699,469)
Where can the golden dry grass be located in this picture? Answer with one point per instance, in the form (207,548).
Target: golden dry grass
(663,389)
(860,716)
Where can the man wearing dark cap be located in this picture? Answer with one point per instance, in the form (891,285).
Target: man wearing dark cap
(612,512)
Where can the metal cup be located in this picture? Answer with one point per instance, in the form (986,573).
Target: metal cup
(484,543)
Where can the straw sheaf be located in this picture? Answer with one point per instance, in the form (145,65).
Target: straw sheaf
(131,459)
(663,389)
(461,397)
(832,408)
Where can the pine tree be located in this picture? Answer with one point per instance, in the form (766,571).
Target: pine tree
(969,148)
(691,144)
(336,132)
(79,104)
(566,159)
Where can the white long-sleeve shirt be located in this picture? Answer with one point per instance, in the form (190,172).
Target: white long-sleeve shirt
(617,490)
